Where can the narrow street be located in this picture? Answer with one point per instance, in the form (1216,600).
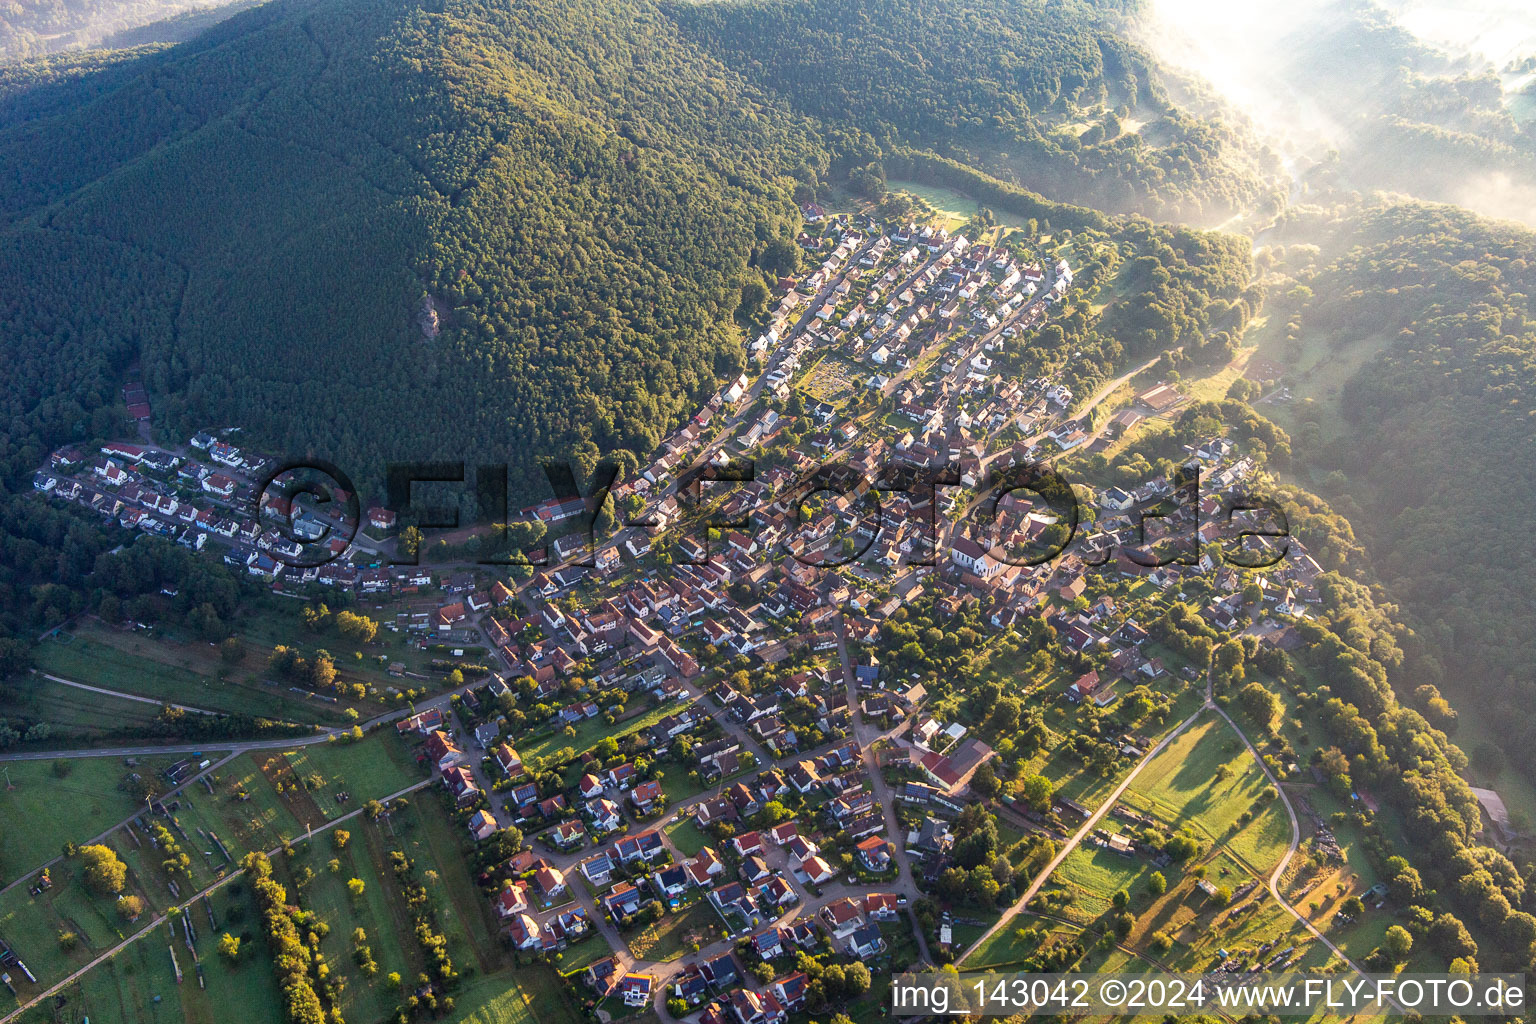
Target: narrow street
(866,736)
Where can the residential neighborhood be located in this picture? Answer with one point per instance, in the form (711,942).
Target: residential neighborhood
(738,759)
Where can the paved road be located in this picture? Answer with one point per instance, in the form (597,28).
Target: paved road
(215,766)
(864,733)
(1082,833)
(1093,819)
(159,919)
(866,736)
(1273,881)
(168,748)
(952,524)
(1093,403)
(441,700)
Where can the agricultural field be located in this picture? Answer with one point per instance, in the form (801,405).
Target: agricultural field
(138,985)
(316,885)
(428,835)
(1088,878)
(63,928)
(951,209)
(62,801)
(1199,930)
(183,672)
(81,716)
(1262,842)
(371,769)
(168,663)
(1006,947)
(1313,368)
(1077,781)
(271,620)
(1205,780)
(36,926)
(527,995)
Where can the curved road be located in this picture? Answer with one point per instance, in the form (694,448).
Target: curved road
(237,746)
(1273,882)
(1022,903)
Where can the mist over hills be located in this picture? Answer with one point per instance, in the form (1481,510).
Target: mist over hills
(1054,96)
(454,229)
(1357,102)
(35,28)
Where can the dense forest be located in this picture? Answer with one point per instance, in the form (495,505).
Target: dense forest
(1389,111)
(1436,464)
(581,191)
(383,231)
(1049,95)
(580,196)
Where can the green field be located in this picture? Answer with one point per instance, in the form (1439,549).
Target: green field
(528,995)
(77,714)
(138,987)
(1198,933)
(137,664)
(1004,947)
(588,951)
(263,819)
(833,379)
(271,620)
(1077,781)
(42,811)
(126,988)
(687,836)
(1315,367)
(247,813)
(1517,791)
(169,664)
(371,769)
(436,843)
(1262,842)
(32,925)
(1205,780)
(674,934)
(677,786)
(326,894)
(952,208)
(1091,876)
(591,731)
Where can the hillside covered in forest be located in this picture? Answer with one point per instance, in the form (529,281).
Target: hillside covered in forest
(385,231)
(1434,463)
(580,197)
(1049,95)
